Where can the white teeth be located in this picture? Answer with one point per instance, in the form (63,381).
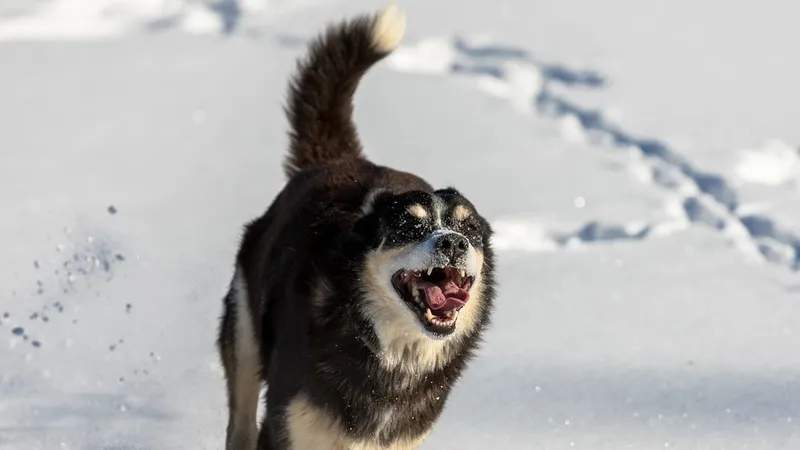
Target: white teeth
(463,273)
(449,320)
(430,270)
(414,290)
(451,315)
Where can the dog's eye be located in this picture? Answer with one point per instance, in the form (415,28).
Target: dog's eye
(471,226)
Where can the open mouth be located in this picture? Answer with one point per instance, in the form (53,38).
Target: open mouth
(435,294)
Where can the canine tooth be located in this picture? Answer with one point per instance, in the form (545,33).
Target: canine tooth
(430,270)
(463,273)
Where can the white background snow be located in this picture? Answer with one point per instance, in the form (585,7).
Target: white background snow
(639,161)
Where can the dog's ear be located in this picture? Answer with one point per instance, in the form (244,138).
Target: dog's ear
(374,200)
(366,230)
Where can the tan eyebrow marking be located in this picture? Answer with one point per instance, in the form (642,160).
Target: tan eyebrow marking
(418,211)
(460,213)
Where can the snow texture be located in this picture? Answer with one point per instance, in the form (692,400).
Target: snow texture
(639,162)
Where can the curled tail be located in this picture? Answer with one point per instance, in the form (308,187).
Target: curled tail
(320,102)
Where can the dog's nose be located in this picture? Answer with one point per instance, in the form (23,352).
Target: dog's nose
(453,246)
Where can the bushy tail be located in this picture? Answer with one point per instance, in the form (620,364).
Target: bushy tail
(320,103)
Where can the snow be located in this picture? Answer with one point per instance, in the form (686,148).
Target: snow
(638,161)
(67,19)
(773,164)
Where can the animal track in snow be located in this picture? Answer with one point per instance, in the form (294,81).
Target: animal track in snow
(532,236)
(527,84)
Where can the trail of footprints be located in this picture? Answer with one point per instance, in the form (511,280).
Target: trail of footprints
(528,85)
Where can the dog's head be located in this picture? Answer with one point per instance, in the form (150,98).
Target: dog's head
(426,267)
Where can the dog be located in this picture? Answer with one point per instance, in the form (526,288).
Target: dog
(362,293)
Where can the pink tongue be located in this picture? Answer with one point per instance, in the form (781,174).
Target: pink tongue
(446,296)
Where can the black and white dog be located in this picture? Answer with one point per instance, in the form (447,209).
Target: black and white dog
(362,292)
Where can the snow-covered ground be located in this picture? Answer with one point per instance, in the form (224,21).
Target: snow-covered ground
(639,161)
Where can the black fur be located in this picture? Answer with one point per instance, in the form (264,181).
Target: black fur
(303,262)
